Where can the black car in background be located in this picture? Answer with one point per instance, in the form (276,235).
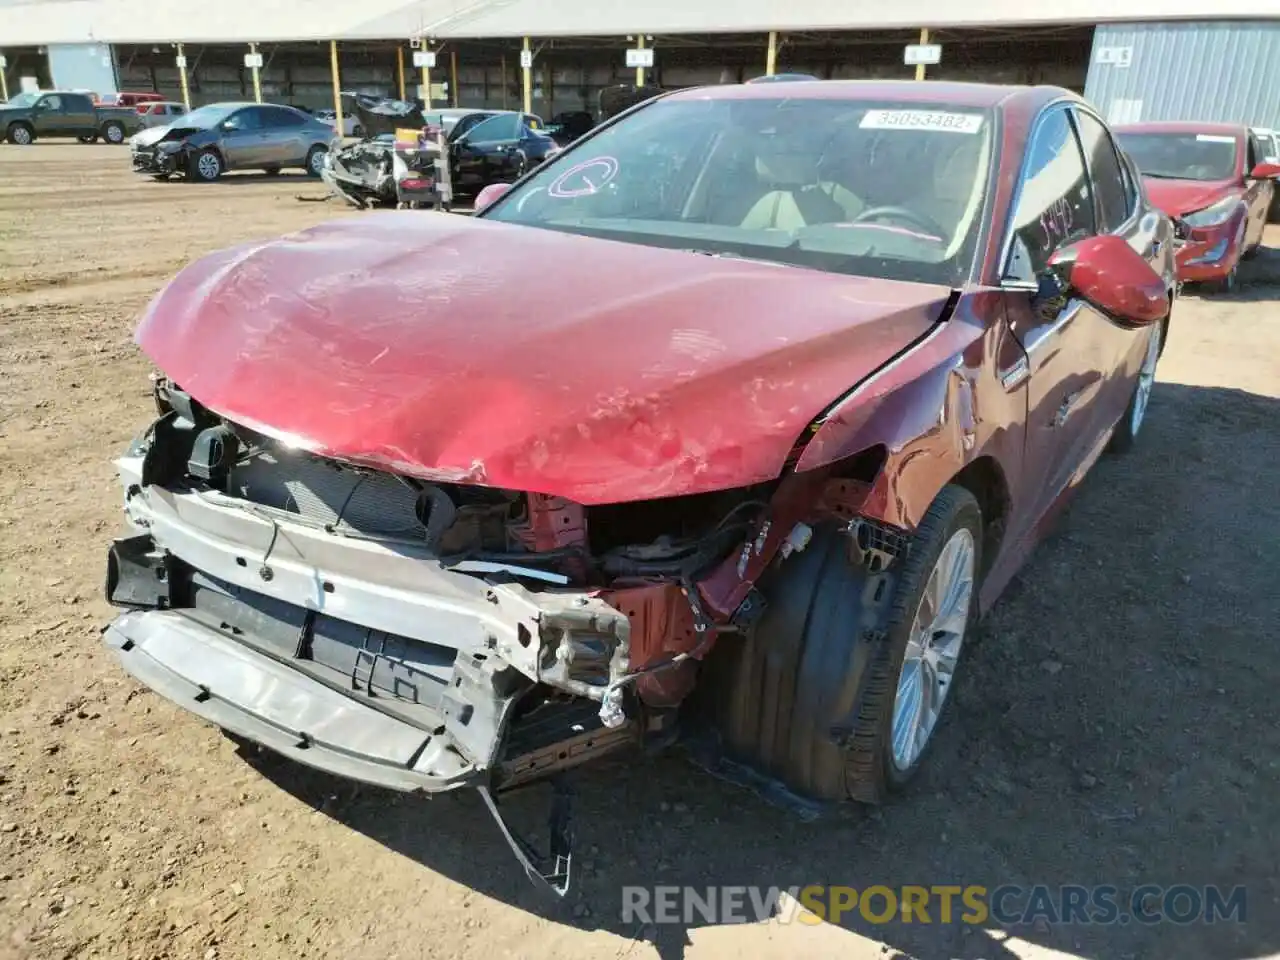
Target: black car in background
(497,149)
(568,126)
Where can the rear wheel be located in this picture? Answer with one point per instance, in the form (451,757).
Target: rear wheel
(113,131)
(315,160)
(820,700)
(1127,429)
(20,134)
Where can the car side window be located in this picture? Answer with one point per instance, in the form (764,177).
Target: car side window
(243,121)
(1054,203)
(505,126)
(52,103)
(1106,172)
(280,117)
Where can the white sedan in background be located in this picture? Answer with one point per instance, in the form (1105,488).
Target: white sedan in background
(350,125)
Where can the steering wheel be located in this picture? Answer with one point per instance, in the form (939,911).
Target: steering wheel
(910,217)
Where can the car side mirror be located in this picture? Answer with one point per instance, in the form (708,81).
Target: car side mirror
(1109,274)
(490,194)
(1265,171)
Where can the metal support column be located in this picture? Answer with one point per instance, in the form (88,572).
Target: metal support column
(527,58)
(257,79)
(453,75)
(771,58)
(4,84)
(400,69)
(924,38)
(426,83)
(339,125)
(640,70)
(182,75)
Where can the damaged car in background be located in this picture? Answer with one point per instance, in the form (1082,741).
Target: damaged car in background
(836,354)
(211,140)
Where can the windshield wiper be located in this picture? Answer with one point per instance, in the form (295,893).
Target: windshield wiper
(1165,176)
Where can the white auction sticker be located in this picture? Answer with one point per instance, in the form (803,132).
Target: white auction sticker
(922,120)
(1214,138)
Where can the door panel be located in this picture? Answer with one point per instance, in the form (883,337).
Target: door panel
(1066,341)
(244,145)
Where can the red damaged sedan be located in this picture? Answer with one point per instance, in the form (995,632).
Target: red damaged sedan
(1212,179)
(725,426)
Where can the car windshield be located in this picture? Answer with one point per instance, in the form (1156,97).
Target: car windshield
(1183,156)
(876,189)
(24,100)
(203,118)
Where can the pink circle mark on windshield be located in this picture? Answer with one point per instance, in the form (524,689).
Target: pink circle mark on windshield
(592,175)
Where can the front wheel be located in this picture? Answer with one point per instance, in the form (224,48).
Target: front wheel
(113,132)
(20,134)
(841,687)
(205,166)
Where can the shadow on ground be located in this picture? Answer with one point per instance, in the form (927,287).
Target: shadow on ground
(1116,727)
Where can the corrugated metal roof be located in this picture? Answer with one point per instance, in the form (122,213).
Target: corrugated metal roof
(566,18)
(1227,72)
(224,21)
(241,21)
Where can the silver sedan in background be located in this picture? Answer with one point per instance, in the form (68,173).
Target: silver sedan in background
(213,139)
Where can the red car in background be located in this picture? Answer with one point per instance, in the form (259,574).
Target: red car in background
(129,99)
(840,353)
(1213,179)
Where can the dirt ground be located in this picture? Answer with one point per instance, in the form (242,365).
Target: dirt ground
(1117,723)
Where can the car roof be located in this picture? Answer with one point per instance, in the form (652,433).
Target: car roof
(1182,126)
(908,91)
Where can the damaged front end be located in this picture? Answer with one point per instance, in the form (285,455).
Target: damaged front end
(420,636)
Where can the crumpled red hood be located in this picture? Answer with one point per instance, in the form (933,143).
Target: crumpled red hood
(1180,197)
(465,350)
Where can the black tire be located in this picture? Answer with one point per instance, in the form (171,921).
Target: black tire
(1126,432)
(808,697)
(113,132)
(271,171)
(22,134)
(310,162)
(205,166)
(88,138)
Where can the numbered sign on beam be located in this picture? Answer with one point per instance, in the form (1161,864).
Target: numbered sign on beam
(922,53)
(526,59)
(253,61)
(424,58)
(180,61)
(640,58)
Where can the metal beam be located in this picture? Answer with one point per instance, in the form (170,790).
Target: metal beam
(338,124)
(400,69)
(771,58)
(257,80)
(924,38)
(528,77)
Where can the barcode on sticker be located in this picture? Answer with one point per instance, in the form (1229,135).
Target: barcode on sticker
(1214,138)
(922,120)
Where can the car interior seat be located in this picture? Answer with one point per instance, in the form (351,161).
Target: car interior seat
(794,198)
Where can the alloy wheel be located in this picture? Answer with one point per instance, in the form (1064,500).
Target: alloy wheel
(933,649)
(22,136)
(208,166)
(1146,379)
